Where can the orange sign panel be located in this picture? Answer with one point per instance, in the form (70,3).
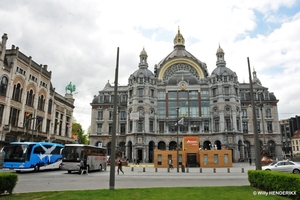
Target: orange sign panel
(191,143)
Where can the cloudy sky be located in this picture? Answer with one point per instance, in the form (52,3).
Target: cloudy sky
(78,40)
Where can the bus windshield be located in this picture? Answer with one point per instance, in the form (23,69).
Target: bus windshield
(72,153)
(15,153)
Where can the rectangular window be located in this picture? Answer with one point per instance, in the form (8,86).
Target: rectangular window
(99,129)
(123,129)
(195,126)
(244,113)
(161,108)
(141,92)
(172,112)
(245,127)
(194,109)
(205,108)
(1,113)
(100,115)
(183,95)
(110,129)
(217,128)
(130,126)
(257,112)
(206,125)
(204,94)
(151,126)
(268,113)
(226,90)
(14,116)
(124,99)
(226,159)
(172,95)
(184,127)
(152,93)
(228,124)
(180,159)
(216,159)
(193,94)
(123,115)
(161,95)
(172,126)
(238,125)
(106,99)
(269,127)
(48,126)
(140,126)
(205,159)
(214,91)
(161,127)
(159,159)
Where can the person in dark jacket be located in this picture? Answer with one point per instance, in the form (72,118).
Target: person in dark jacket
(120,166)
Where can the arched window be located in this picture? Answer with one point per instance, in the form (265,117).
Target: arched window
(17,93)
(30,98)
(50,106)
(3,85)
(41,103)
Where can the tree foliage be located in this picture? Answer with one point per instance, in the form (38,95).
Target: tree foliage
(77,130)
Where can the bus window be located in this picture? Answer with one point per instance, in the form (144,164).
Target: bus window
(38,150)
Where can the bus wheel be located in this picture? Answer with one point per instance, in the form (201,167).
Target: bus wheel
(100,168)
(36,168)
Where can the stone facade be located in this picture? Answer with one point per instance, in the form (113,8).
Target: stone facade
(216,108)
(30,109)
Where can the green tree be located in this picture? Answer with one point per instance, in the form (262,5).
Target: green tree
(77,130)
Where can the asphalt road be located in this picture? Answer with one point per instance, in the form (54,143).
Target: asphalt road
(143,176)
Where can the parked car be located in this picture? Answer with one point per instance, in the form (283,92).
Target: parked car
(283,166)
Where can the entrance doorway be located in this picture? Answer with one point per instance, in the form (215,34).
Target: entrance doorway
(192,160)
(140,155)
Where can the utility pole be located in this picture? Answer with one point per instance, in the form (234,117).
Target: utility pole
(256,139)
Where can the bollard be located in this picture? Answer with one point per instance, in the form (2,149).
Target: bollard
(200,170)
(228,170)
(155,169)
(214,170)
(144,169)
(242,170)
(187,170)
(182,168)
(132,169)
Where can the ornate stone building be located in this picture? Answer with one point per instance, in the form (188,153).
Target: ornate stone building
(30,109)
(216,108)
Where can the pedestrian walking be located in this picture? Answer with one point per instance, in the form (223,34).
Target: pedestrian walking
(138,161)
(170,164)
(120,166)
(250,161)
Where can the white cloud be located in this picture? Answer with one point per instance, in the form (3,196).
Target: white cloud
(78,41)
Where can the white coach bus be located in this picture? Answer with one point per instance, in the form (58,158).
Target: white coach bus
(93,157)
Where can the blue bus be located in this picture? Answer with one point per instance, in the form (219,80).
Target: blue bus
(32,156)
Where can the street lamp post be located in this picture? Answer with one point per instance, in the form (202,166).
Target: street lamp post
(256,140)
(261,105)
(177,149)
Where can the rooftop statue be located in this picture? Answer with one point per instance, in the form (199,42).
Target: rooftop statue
(70,87)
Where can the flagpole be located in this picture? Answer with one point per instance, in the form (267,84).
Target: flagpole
(177,109)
